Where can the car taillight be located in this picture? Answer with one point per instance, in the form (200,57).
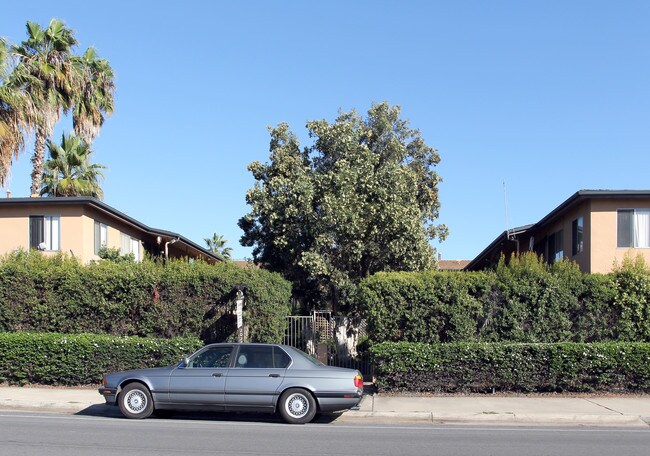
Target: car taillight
(358,381)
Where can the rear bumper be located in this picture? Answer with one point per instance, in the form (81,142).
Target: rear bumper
(334,402)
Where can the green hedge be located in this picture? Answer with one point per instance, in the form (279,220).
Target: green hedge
(488,367)
(148,299)
(524,301)
(64,359)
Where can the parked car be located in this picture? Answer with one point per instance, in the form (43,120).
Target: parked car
(237,377)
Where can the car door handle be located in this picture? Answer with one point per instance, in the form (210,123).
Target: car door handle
(274,375)
(217,374)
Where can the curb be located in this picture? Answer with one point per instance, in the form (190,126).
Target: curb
(70,407)
(495,419)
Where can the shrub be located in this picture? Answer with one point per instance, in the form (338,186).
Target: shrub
(148,299)
(632,298)
(80,359)
(523,301)
(487,367)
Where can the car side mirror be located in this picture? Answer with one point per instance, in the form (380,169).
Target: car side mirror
(184,363)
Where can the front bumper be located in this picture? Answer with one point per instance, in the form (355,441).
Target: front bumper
(109,394)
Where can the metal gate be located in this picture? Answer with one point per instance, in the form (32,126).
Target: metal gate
(319,335)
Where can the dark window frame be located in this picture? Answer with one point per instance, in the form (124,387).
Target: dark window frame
(38,234)
(98,236)
(555,247)
(577,236)
(625,228)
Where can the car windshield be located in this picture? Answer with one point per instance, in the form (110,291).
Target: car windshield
(311,359)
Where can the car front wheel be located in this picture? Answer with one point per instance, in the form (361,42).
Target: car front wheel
(135,401)
(297,406)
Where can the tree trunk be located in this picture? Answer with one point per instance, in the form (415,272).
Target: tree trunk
(37,162)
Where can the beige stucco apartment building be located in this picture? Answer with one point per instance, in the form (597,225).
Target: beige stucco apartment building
(80,226)
(594,228)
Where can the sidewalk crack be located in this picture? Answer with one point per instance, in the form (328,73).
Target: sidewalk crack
(601,405)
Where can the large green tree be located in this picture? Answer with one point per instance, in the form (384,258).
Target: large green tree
(362,198)
(69,172)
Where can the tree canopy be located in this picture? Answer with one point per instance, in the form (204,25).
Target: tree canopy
(362,198)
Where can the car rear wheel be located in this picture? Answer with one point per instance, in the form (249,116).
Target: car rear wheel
(135,401)
(297,406)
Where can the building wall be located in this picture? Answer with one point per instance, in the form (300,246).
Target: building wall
(14,231)
(565,223)
(77,229)
(582,258)
(14,226)
(600,252)
(115,229)
(604,251)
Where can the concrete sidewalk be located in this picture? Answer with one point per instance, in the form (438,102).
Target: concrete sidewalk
(523,410)
(378,408)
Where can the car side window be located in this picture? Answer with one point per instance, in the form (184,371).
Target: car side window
(213,357)
(255,357)
(280,358)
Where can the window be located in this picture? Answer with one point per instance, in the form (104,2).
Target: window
(130,245)
(262,357)
(280,358)
(44,232)
(101,236)
(555,247)
(577,229)
(633,228)
(214,357)
(311,359)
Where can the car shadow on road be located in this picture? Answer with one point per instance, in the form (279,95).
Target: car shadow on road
(107,411)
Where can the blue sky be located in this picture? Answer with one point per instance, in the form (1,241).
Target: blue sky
(549,96)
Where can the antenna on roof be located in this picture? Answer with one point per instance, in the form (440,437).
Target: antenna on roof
(505,201)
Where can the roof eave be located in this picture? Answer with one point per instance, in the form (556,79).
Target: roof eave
(100,205)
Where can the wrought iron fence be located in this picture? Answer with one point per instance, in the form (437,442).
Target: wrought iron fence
(315,334)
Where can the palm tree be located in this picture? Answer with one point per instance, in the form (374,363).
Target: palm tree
(95,97)
(68,172)
(217,244)
(47,81)
(46,73)
(14,117)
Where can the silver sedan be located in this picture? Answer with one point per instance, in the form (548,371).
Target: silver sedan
(237,377)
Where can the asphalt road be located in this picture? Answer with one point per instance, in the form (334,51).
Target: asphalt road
(57,435)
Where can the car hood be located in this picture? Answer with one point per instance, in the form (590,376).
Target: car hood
(140,373)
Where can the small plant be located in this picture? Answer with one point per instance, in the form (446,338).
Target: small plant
(114,255)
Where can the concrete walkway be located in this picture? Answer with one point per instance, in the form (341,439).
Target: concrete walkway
(378,408)
(525,410)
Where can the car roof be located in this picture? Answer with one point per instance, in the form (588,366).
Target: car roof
(298,361)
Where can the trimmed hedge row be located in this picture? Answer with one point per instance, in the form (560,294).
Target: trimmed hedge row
(488,367)
(148,299)
(64,359)
(524,301)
